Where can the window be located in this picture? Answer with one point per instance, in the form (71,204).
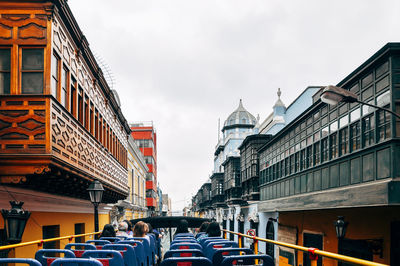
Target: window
(316,153)
(303,159)
(5,68)
(383,124)
(55,62)
(64,86)
(72,100)
(32,71)
(343,141)
(334,145)
(86,112)
(368,130)
(324,150)
(51,231)
(80,105)
(355,136)
(309,156)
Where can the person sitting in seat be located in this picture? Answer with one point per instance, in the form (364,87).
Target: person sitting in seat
(213,229)
(122,228)
(203,228)
(141,229)
(108,231)
(182,227)
(129,231)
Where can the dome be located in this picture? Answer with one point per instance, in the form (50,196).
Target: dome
(240,118)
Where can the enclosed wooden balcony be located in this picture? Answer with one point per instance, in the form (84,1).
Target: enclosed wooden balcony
(43,147)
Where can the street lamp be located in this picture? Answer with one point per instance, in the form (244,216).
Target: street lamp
(333,95)
(340,227)
(15,221)
(96,193)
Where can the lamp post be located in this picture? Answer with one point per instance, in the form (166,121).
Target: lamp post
(15,221)
(333,95)
(340,227)
(96,193)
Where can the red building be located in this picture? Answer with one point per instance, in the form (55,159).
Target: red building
(146,138)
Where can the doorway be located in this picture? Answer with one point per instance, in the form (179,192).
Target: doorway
(315,241)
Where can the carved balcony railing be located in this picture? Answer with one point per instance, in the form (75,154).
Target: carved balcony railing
(40,138)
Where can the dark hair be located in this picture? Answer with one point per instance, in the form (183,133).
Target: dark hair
(150,227)
(108,231)
(203,226)
(182,227)
(213,229)
(140,229)
(129,225)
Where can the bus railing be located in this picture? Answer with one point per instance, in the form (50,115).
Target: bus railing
(312,252)
(41,241)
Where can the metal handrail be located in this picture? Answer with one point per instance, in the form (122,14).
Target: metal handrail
(313,252)
(41,241)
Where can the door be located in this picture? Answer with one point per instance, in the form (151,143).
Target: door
(355,248)
(315,241)
(270,234)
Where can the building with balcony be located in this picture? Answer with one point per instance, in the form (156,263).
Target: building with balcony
(145,137)
(340,160)
(61,126)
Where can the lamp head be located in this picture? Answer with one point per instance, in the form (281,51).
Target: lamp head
(333,95)
(95,191)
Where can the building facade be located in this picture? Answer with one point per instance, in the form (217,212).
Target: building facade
(340,161)
(145,137)
(61,126)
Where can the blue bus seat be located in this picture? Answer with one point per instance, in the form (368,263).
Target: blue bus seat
(220,253)
(147,249)
(111,239)
(75,262)
(184,235)
(247,260)
(98,243)
(83,247)
(186,245)
(213,246)
(199,234)
(201,241)
(40,255)
(127,252)
(106,257)
(193,261)
(30,262)
(139,250)
(183,253)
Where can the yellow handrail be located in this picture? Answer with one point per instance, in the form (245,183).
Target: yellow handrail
(311,250)
(41,241)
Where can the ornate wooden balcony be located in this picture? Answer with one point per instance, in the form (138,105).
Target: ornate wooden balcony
(43,147)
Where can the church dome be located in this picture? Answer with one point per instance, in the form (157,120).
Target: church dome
(240,118)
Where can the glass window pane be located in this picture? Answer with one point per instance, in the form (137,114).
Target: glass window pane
(5,58)
(32,59)
(4,83)
(354,115)
(343,121)
(32,83)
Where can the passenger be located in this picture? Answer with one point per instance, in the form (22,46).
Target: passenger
(122,228)
(140,230)
(108,231)
(129,231)
(202,229)
(182,227)
(213,229)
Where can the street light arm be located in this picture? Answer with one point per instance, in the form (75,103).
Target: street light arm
(380,108)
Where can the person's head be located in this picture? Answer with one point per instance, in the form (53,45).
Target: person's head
(129,225)
(213,229)
(108,231)
(150,227)
(182,226)
(122,226)
(203,226)
(140,229)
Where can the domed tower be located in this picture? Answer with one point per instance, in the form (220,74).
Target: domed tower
(239,124)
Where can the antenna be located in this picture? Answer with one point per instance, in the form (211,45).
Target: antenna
(108,74)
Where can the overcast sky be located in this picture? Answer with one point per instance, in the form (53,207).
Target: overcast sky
(183,63)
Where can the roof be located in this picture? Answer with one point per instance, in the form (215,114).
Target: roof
(239,118)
